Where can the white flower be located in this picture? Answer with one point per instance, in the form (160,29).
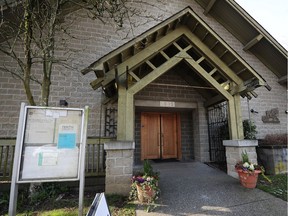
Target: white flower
(251,167)
(246,165)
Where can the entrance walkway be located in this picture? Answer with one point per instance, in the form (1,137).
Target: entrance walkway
(196,189)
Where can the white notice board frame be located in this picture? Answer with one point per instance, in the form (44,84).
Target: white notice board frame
(66,139)
(51,144)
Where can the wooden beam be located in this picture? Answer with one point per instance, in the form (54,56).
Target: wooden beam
(143,55)
(134,76)
(164,55)
(254,94)
(99,73)
(238,113)
(154,75)
(213,71)
(214,45)
(99,64)
(132,50)
(254,41)
(155,36)
(251,70)
(150,65)
(245,87)
(232,119)
(97,83)
(205,36)
(194,28)
(282,80)
(233,62)
(167,27)
(176,23)
(177,46)
(125,117)
(215,100)
(208,78)
(213,57)
(209,6)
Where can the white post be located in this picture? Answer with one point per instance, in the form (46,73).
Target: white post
(14,185)
(82,162)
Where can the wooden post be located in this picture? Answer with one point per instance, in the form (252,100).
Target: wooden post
(238,112)
(125,121)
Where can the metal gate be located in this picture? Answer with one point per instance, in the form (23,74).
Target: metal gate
(218,131)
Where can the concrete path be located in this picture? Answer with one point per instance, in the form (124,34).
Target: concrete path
(196,189)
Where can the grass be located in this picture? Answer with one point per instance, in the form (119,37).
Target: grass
(62,203)
(68,206)
(278,187)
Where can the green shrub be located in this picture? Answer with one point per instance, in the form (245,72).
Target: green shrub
(249,129)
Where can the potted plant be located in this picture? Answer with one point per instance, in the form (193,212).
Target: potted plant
(247,171)
(144,187)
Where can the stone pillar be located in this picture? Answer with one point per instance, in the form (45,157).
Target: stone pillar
(234,149)
(119,166)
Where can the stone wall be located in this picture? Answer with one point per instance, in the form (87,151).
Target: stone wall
(234,150)
(119,167)
(93,39)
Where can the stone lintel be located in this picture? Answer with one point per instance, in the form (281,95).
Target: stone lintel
(240,143)
(119,145)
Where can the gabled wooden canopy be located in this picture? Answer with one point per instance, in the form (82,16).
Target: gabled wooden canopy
(183,41)
(254,37)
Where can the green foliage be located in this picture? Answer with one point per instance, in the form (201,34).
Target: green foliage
(249,129)
(147,184)
(245,157)
(119,205)
(276,187)
(4,198)
(147,168)
(46,191)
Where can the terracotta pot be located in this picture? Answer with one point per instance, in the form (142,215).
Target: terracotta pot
(145,195)
(248,179)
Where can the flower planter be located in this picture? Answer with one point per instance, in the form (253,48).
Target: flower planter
(248,179)
(145,195)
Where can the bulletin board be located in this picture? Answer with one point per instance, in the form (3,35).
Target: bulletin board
(51,144)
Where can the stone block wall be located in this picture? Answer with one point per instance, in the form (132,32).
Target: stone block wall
(119,167)
(234,150)
(93,39)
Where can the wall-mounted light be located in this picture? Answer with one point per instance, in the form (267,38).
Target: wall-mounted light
(286,111)
(63,103)
(253,111)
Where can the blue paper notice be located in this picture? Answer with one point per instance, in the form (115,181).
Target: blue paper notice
(67,140)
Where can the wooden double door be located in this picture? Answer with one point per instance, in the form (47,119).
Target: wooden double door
(160,135)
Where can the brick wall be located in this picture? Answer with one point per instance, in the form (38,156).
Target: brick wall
(187,141)
(93,39)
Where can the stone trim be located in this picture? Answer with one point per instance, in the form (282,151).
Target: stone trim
(240,143)
(119,145)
